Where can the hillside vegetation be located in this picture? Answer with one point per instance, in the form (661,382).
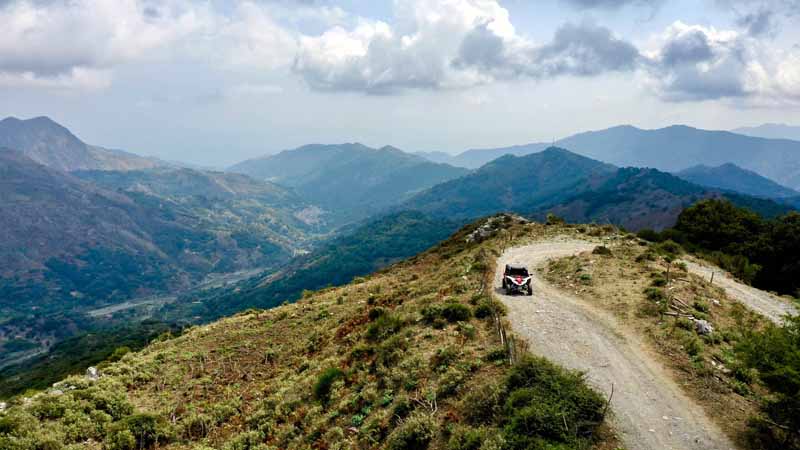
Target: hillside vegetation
(408,358)
(365,248)
(574,187)
(761,251)
(742,369)
(69,245)
(731,177)
(351,181)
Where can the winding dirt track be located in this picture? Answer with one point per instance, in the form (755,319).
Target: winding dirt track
(764,303)
(649,410)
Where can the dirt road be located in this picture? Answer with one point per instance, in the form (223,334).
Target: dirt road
(649,410)
(764,303)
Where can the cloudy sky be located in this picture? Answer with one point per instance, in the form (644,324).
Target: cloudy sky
(217,81)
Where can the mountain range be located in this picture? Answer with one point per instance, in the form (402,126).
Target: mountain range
(771,131)
(575,187)
(669,149)
(81,240)
(351,181)
(87,228)
(50,144)
(731,177)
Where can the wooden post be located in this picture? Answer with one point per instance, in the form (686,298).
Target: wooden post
(712,277)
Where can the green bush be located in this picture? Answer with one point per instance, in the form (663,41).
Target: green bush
(649,235)
(602,250)
(136,432)
(464,438)
(669,248)
(775,354)
(659,281)
(249,440)
(415,433)
(374,313)
(121,439)
(383,327)
(694,346)
(484,309)
(482,406)
(322,388)
(655,294)
(701,306)
(534,416)
(456,312)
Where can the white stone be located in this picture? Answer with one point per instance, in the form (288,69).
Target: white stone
(92,373)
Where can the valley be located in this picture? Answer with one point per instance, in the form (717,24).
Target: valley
(399,225)
(128,258)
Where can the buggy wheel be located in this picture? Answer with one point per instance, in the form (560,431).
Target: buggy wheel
(530,290)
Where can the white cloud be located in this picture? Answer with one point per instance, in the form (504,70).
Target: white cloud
(413,52)
(693,62)
(75,78)
(72,42)
(452,44)
(427,44)
(251,38)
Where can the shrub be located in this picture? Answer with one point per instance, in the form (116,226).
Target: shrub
(602,250)
(694,346)
(466,439)
(701,305)
(450,382)
(497,354)
(415,433)
(669,248)
(121,439)
(249,440)
(146,429)
(322,388)
(686,324)
(443,357)
(431,313)
(535,416)
(482,406)
(655,294)
(196,426)
(659,281)
(402,408)
(115,402)
(456,312)
(649,235)
(484,309)
(775,354)
(553,219)
(383,327)
(374,313)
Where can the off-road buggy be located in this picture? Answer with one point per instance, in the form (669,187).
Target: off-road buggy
(517,280)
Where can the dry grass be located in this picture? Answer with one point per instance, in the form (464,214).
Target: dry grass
(252,380)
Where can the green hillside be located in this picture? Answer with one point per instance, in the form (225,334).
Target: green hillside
(405,359)
(350,181)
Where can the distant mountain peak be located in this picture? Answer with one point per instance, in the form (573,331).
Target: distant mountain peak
(49,143)
(731,177)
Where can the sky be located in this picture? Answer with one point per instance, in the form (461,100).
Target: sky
(218,81)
